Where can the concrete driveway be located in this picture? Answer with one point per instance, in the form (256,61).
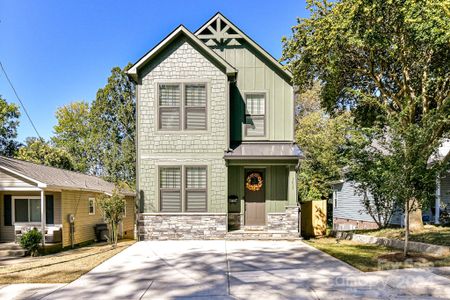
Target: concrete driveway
(237,270)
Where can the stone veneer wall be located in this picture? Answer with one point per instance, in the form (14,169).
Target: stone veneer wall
(287,221)
(177,226)
(235,221)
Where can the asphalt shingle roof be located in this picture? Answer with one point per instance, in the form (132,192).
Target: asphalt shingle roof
(56,177)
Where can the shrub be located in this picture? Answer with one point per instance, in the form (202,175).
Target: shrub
(31,241)
(112,208)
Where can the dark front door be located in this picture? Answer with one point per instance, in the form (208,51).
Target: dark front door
(255,202)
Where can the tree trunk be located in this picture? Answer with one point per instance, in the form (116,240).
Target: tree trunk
(415,220)
(405,249)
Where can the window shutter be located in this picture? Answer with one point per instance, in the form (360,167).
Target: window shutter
(49,209)
(195,102)
(7,211)
(196,189)
(170,189)
(169,107)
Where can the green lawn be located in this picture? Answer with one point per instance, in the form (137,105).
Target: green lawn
(430,234)
(368,257)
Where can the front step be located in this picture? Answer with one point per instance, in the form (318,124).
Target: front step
(11,249)
(261,235)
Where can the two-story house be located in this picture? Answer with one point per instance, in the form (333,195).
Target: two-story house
(215,137)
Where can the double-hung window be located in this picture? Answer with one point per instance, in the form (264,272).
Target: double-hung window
(183,188)
(255,117)
(182,106)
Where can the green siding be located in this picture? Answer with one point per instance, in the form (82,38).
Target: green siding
(276,184)
(256,73)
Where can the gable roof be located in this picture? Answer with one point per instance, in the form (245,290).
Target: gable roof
(50,177)
(237,33)
(180,30)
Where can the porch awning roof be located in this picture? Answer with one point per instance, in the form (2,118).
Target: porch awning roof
(265,150)
(56,178)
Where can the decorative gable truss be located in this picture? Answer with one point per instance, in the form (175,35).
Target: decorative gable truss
(219,33)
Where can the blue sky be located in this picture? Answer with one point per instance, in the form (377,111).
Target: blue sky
(56,52)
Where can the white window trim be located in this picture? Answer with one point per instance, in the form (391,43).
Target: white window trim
(13,209)
(335,198)
(89,206)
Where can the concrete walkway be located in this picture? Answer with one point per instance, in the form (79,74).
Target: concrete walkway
(235,270)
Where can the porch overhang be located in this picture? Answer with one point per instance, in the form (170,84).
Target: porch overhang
(265,152)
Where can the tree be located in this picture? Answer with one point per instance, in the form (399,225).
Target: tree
(373,172)
(320,137)
(113,121)
(41,152)
(112,209)
(9,120)
(73,133)
(389,62)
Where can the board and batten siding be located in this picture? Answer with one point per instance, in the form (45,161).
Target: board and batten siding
(257,74)
(76,203)
(276,185)
(182,62)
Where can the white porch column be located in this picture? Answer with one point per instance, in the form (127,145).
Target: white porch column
(43,217)
(437,208)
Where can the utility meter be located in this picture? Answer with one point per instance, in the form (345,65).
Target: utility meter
(71,218)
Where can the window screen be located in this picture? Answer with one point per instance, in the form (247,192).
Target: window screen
(255,118)
(169,106)
(21,210)
(35,210)
(170,189)
(196,188)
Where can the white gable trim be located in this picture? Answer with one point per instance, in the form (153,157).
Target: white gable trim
(247,39)
(133,71)
(38,183)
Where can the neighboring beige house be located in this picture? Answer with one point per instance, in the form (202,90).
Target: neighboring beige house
(215,137)
(33,195)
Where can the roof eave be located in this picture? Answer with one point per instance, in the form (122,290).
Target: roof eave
(133,71)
